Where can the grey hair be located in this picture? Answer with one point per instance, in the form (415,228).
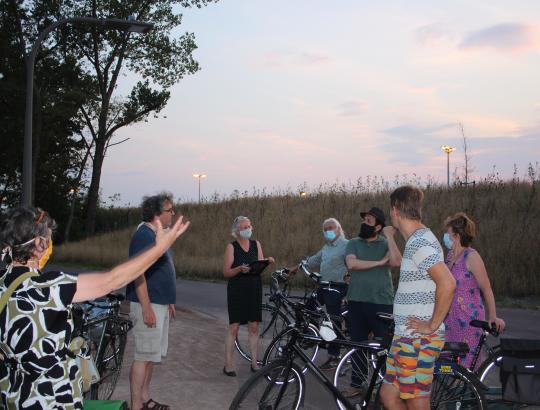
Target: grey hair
(335,222)
(236,222)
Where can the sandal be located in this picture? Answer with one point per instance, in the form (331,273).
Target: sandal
(155,405)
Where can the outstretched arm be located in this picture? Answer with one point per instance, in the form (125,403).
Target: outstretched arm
(94,285)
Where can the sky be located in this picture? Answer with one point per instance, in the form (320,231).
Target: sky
(321,92)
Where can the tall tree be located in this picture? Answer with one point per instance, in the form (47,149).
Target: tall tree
(160,59)
(58,96)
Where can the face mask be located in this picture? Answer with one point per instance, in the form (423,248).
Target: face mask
(45,258)
(245,233)
(447,241)
(366,231)
(329,235)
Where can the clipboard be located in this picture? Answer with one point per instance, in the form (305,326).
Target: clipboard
(257,267)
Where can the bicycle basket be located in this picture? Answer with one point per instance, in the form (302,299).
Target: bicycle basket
(520,370)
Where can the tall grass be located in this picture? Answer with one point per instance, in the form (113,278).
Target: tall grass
(289,228)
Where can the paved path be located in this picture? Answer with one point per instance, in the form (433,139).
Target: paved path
(191,378)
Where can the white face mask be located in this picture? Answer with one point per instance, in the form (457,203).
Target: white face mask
(245,233)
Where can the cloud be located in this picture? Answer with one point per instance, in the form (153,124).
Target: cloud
(505,37)
(351,108)
(432,35)
(414,145)
(295,59)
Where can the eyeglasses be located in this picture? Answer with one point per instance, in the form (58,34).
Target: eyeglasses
(171,210)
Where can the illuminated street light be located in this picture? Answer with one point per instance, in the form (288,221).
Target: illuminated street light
(199,177)
(130,25)
(303,194)
(448,149)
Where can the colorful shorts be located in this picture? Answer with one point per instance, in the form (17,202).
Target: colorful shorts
(410,363)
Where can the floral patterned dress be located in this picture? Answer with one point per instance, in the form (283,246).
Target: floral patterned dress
(467,305)
(35,330)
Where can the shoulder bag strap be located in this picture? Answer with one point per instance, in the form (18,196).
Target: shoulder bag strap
(14,285)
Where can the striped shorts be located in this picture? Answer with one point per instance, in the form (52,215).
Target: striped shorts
(410,363)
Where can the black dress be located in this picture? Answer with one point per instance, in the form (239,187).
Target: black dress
(244,291)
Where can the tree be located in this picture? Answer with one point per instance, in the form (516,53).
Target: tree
(158,58)
(58,96)
(467,167)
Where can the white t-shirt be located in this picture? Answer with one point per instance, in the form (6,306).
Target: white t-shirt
(415,296)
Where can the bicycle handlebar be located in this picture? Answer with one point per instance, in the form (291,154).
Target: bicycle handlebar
(491,328)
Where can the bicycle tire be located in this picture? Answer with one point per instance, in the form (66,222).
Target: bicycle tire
(274,350)
(455,387)
(264,387)
(342,376)
(269,328)
(109,363)
(489,372)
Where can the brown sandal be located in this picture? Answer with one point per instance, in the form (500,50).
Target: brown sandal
(155,405)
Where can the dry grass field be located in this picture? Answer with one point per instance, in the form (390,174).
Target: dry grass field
(289,228)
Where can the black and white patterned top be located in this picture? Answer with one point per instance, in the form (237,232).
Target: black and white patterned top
(415,296)
(36,328)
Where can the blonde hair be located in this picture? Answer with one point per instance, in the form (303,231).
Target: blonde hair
(236,223)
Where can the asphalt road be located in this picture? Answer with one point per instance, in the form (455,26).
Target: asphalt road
(211,299)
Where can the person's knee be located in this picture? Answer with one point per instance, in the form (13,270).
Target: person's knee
(420,403)
(253,328)
(233,329)
(389,396)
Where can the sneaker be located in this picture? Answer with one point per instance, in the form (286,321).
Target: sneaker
(330,364)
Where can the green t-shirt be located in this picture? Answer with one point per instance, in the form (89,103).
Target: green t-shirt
(371,285)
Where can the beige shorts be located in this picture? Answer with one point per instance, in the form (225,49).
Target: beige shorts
(151,343)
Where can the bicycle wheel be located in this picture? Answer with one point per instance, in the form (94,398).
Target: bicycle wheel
(276,347)
(280,385)
(109,363)
(455,387)
(489,372)
(273,322)
(355,370)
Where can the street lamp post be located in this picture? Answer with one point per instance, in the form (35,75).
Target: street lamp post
(116,24)
(199,177)
(448,149)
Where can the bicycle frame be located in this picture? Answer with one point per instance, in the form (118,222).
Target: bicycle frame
(293,351)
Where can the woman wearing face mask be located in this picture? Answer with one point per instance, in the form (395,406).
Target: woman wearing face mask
(472,283)
(331,261)
(37,368)
(244,290)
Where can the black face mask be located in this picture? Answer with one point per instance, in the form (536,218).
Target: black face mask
(367,231)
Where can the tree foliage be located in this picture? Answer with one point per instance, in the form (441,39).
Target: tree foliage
(78,108)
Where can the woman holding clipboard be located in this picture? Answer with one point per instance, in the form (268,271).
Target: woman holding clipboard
(244,289)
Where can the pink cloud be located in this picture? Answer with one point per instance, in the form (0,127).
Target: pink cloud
(505,37)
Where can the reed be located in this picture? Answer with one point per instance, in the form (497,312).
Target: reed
(288,226)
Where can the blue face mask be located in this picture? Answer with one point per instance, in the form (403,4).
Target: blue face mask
(245,233)
(447,241)
(329,235)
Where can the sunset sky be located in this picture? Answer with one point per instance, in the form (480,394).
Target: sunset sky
(329,91)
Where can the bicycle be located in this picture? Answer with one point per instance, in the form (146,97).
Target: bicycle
(280,313)
(105,330)
(281,384)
